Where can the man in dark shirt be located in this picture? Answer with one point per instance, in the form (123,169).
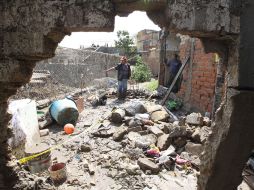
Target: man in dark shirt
(123,74)
(174,65)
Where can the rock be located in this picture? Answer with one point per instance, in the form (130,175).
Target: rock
(142,116)
(195,149)
(177,131)
(134,122)
(141,141)
(153,108)
(134,129)
(85,148)
(163,142)
(135,107)
(179,142)
(206,121)
(159,116)
(117,116)
(132,169)
(91,169)
(204,133)
(194,119)
(155,130)
(196,135)
(182,121)
(119,134)
(146,164)
(44,132)
(192,158)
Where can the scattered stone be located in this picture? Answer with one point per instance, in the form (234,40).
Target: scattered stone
(196,135)
(182,121)
(135,107)
(195,149)
(119,134)
(163,142)
(155,130)
(91,169)
(179,142)
(159,116)
(135,129)
(177,131)
(194,119)
(44,132)
(134,122)
(117,116)
(144,132)
(153,108)
(85,148)
(146,164)
(206,121)
(132,169)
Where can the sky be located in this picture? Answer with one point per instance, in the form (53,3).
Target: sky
(133,24)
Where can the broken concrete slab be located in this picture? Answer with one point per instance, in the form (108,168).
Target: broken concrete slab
(155,130)
(120,132)
(163,142)
(195,149)
(159,116)
(194,119)
(153,108)
(146,164)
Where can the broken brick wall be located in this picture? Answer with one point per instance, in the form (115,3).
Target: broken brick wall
(199,76)
(71,67)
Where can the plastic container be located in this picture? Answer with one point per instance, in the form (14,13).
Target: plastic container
(64,111)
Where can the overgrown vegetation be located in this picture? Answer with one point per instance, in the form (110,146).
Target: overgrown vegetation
(152,85)
(141,72)
(173,105)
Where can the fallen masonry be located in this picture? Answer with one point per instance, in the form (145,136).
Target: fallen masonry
(124,145)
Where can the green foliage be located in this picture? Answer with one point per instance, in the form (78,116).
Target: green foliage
(152,85)
(141,71)
(174,105)
(125,42)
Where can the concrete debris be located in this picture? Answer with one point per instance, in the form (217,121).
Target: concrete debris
(44,132)
(204,134)
(85,148)
(179,142)
(196,135)
(164,142)
(152,108)
(134,108)
(195,149)
(146,164)
(159,116)
(120,132)
(155,130)
(117,116)
(194,119)
(177,131)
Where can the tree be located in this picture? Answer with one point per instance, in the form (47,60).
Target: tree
(125,42)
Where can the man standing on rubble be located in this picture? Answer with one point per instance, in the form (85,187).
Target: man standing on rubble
(123,74)
(174,65)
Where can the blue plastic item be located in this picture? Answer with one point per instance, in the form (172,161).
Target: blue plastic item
(64,111)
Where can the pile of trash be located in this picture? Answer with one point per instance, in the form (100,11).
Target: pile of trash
(149,128)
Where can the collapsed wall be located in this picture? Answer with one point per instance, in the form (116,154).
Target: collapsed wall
(78,67)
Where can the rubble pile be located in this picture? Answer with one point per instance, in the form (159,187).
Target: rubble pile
(164,145)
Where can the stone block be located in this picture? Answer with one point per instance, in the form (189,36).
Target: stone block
(146,164)
(163,142)
(195,149)
(119,133)
(194,119)
(155,130)
(159,116)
